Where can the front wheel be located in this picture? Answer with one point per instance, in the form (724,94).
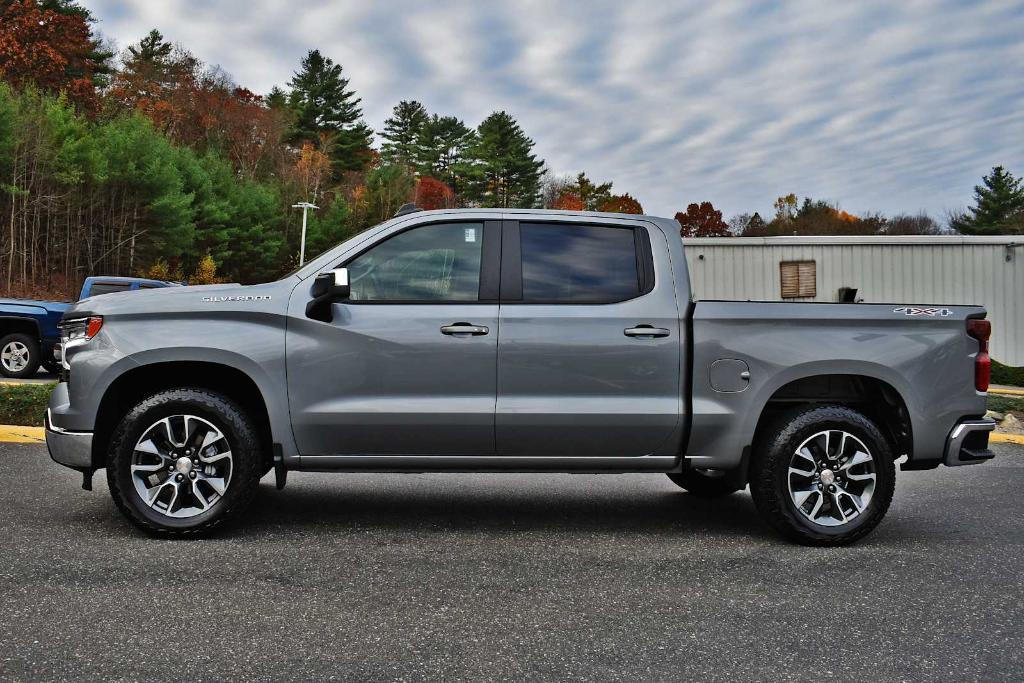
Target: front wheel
(182,461)
(823,475)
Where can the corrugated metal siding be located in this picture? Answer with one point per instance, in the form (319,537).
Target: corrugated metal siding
(945,271)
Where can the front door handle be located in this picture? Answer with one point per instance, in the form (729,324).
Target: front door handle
(645,332)
(464,330)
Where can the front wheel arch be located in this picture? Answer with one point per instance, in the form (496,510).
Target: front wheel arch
(140,382)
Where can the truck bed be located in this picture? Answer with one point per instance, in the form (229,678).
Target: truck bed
(920,352)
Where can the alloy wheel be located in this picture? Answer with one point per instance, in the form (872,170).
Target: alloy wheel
(831,477)
(181,466)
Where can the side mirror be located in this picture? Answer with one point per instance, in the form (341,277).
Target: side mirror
(327,287)
(331,285)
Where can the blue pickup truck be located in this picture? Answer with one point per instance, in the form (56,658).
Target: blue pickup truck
(28,329)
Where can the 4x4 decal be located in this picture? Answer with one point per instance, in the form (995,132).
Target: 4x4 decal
(923,310)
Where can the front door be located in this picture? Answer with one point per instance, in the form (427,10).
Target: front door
(589,353)
(406,366)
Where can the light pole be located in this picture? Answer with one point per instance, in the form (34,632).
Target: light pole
(305,206)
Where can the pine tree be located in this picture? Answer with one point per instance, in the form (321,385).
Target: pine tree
(505,172)
(441,151)
(998,206)
(326,109)
(756,227)
(276,98)
(402,133)
(591,195)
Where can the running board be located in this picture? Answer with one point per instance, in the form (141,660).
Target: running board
(481,463)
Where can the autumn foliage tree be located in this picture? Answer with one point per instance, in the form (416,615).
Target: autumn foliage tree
(311,171)
(50,45)
(433,194)
(702,220)
(621,203)
(569,201)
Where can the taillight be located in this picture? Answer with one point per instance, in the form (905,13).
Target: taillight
(981,330)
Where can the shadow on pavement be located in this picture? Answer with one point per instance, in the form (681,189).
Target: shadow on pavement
(488,508)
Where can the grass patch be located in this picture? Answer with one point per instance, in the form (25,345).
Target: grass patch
(1006,404)
(24,404)
(1007,374)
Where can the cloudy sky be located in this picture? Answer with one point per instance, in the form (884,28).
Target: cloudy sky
(879,105)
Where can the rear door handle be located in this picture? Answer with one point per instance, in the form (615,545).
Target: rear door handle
(464,330)
(645,331)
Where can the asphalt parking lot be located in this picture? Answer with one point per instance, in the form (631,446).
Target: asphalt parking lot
(590,577)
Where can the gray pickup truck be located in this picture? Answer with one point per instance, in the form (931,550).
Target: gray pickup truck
(514,341)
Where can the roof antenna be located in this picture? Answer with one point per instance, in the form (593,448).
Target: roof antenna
(407,208)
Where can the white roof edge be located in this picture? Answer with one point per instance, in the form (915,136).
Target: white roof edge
(798,240)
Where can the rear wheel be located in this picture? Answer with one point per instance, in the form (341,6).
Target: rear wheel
(823,475)
(182,461)
(19,356)
(707,483)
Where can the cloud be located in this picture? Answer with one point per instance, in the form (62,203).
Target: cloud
(877,105)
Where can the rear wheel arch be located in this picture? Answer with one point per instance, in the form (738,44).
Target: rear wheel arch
(875,398)
(137,384)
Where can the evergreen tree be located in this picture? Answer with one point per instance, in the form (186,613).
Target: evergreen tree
(591,195)
(326,109)
(998,206)
(402,133)
(442,151)
(276,98)
(151,50)
(504,172)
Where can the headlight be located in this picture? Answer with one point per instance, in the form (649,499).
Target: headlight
(75,333)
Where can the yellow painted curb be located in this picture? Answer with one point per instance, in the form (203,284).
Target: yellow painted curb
(1007,392)
(996,437)
(20,434)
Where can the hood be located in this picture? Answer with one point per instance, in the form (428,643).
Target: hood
(32,306)
(192,299)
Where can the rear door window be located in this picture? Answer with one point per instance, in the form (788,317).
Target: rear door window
(566,263)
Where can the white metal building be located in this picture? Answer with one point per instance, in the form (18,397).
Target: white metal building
(908,269)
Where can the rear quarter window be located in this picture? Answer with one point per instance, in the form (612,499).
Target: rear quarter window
(108,288)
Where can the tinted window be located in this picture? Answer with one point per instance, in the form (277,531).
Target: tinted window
(432,263)
(578,263)
(98,288)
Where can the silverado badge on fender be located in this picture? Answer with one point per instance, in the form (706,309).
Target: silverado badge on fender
(215,299)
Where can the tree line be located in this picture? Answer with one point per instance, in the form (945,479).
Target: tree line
(998,208)
(150,162)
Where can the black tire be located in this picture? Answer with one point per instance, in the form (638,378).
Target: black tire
(770,483)
(220,411)
(707,484)
(34,356)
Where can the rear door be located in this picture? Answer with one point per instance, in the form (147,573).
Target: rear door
(406,366)
(589,351)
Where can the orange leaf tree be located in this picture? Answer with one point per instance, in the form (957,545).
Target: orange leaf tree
(433,194)
(621,203)
(702,220)
(50,45)
(569,201)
